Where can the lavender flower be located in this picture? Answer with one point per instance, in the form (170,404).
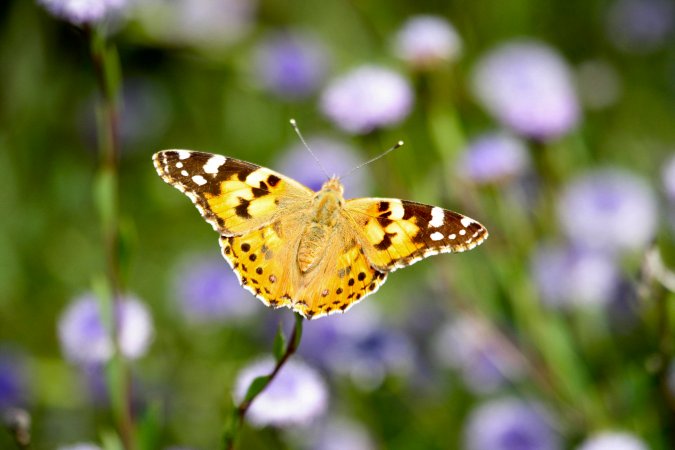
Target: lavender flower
(466,345)
(598,83)
(425,41)
(509,424)
(527,86)
(296,396)
(208,291)
(84,339)
(335,434)
(367,98)
(80,446)
(494,157)
(336,157)
(359,346)
(210,25)
(640,26)
(613,440)
(13,375)
(291,65)
(609,209)
(80,12)
(574,276)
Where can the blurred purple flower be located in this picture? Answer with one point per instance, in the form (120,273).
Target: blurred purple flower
(84,339)
(510,424)
(13,379)
(640,26)
(575,276)
(668,176)
(425,41)
(466,345)
(527,86)
(359,346)
(208,291)
(494,157)
(335,434)
(210,25)
(367,98)
(613,440)
(336,156)
(598,83)
(609,209)
(291,65)
(80,446)
(296,396)
(79,12)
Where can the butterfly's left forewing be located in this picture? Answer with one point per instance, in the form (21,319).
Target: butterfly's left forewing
(234,196)
(396,233)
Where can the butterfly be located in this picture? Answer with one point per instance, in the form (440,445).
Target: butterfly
(313,252)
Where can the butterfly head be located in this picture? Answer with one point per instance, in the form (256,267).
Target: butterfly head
(333,185)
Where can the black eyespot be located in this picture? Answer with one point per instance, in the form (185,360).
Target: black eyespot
(252,257)
(351,282)
(362,276)
(259,271)
(245,247)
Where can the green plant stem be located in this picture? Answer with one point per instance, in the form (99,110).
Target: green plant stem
(243,407)
(106,67)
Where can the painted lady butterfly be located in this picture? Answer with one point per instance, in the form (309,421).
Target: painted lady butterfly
(314,252)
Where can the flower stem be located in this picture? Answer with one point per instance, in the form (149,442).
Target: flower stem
(240,410)
(107,69)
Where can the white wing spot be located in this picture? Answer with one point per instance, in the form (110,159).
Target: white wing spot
(397,210)
(201,181)
(466,222)
(179,165)
(452,236)
(184,172)
(462,232)
(213,164)
(436,236)
(183,154)
(437,216)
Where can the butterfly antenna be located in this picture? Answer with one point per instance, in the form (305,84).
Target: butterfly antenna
(302,139)
(382,155)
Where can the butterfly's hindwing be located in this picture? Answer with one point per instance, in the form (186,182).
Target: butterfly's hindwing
(233,196)
(398,233)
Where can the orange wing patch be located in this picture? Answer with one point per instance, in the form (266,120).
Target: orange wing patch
(232,195)
(397,233)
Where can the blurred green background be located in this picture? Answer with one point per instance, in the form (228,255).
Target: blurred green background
(190,83)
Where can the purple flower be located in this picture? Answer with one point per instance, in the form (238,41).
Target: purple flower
(335,434)
(574,276)
(336,157)
(367,98)
(425,41)
(509,424)
(527,86)
(609,209)
(291,65)
(613,440)
(80,446)
(359,346)
(208,291)
(13,377)
(79,12)
(210,25)
(640,26)
(494,157)
(466,345)
(84,339)
(598,83)
(296,396)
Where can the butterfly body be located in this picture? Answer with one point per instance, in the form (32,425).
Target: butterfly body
(314,252)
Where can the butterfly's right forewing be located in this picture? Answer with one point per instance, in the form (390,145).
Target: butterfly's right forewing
(234,196)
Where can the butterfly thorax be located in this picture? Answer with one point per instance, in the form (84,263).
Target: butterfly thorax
(325,213)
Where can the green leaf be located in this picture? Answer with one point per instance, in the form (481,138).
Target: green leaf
(279,347)
(256,387)
(298,330)
(111,441)
(149,428)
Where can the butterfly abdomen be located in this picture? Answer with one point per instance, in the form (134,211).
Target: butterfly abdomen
(316,235)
